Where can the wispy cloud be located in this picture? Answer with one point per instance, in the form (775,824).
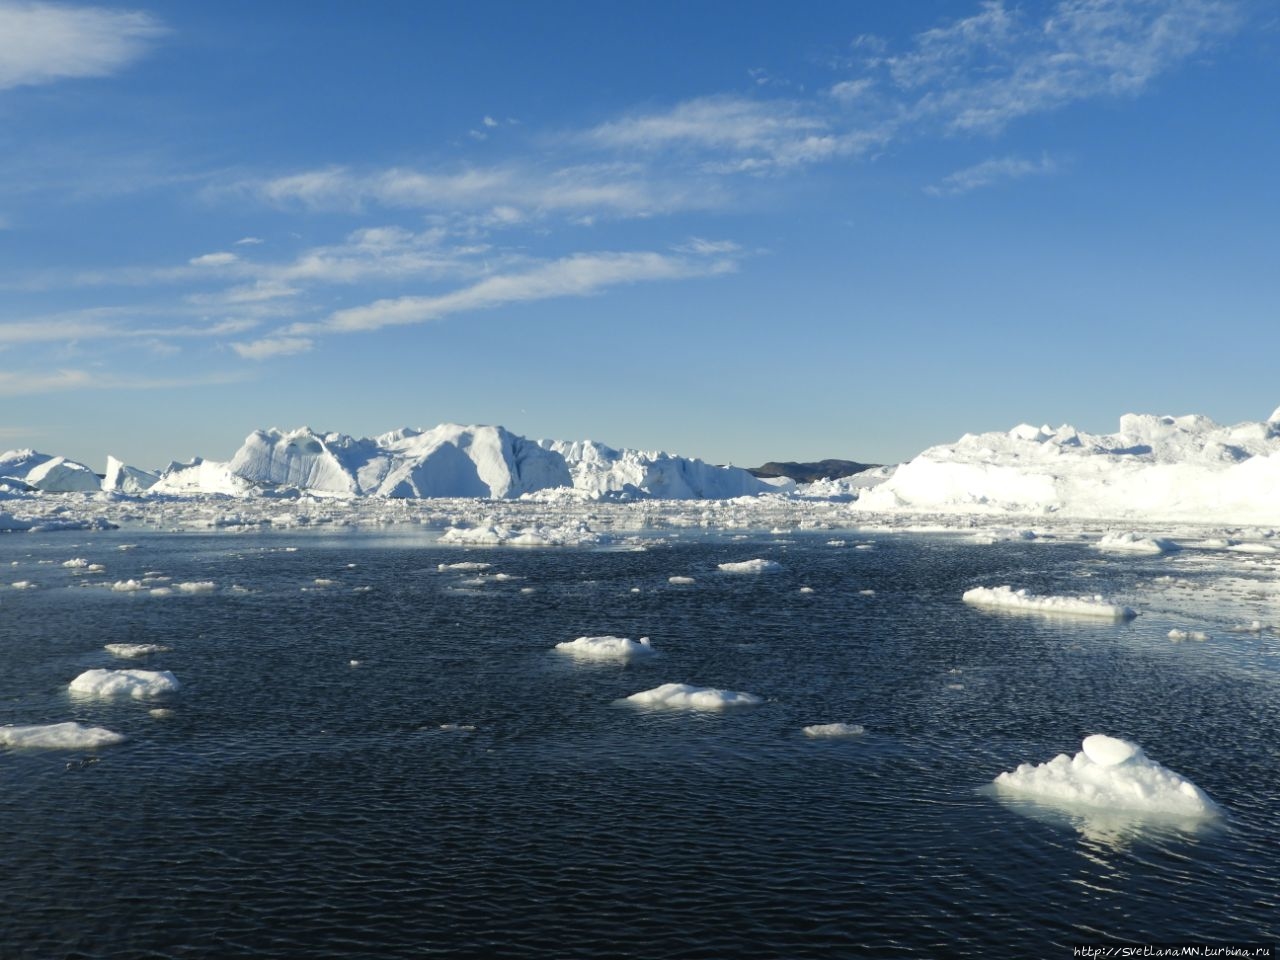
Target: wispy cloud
(269,347)
(27,383)
(574,276)
(991,171)
(45,42)
(983,72)
(510,193)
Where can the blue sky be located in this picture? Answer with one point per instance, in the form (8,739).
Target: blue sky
(736,231)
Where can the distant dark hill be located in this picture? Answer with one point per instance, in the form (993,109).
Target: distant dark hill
(809,472)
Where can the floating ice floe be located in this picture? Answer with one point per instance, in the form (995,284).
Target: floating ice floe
(683,696)
(834,730)
(1112,774)
(1177,634)
(196,586)
(1006,598)
(58,736)
(128,586)
(465,565)
(132,650)
(751,566)
(533,536)
(681,581)
(1134,543)
(75,563)
(605,648)
(117,683)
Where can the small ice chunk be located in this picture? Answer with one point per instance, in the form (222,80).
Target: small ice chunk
(128,586)
(324,582)
(58,736)
(605,648)
(130,650)
(95,568)
(831,730)
(1133,543)
(681,581)
(465,565)
(160,713)
(1120,778)
(1255,626)
(683,696)
(133,683)
(1108,751)
(77,563)
(197,586)
(458,727)
(1176,634)
(1006,598)
(24,585)
(806,589)
(751,566)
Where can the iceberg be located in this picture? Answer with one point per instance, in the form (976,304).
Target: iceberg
(1185,468)
(51,474)
(600,471)
(120,478)
(1112,774)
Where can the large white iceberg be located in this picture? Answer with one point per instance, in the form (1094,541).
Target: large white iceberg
(52,474)
(447,461)
(58,736)
(600,471)
(1112,774)
(119,683)
(1006,598)
(1168,468)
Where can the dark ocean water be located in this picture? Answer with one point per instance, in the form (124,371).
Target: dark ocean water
(295,805)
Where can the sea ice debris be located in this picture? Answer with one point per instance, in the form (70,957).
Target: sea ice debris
(58,736)
(834,730)
(1006,598)
(605,648)
(684,696)
(133,683)
(751,566)
(1109,773)
(130,650)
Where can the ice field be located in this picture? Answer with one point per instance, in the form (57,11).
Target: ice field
(357,738)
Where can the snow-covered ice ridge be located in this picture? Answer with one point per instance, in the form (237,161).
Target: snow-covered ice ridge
(1154,468)
(446,461)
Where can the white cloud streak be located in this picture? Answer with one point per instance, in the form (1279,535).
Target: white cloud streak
(981,73)
(44,42)
(269,347)
(26,383)
(990,172)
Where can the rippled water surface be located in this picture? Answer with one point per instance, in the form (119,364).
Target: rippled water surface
(296,804)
